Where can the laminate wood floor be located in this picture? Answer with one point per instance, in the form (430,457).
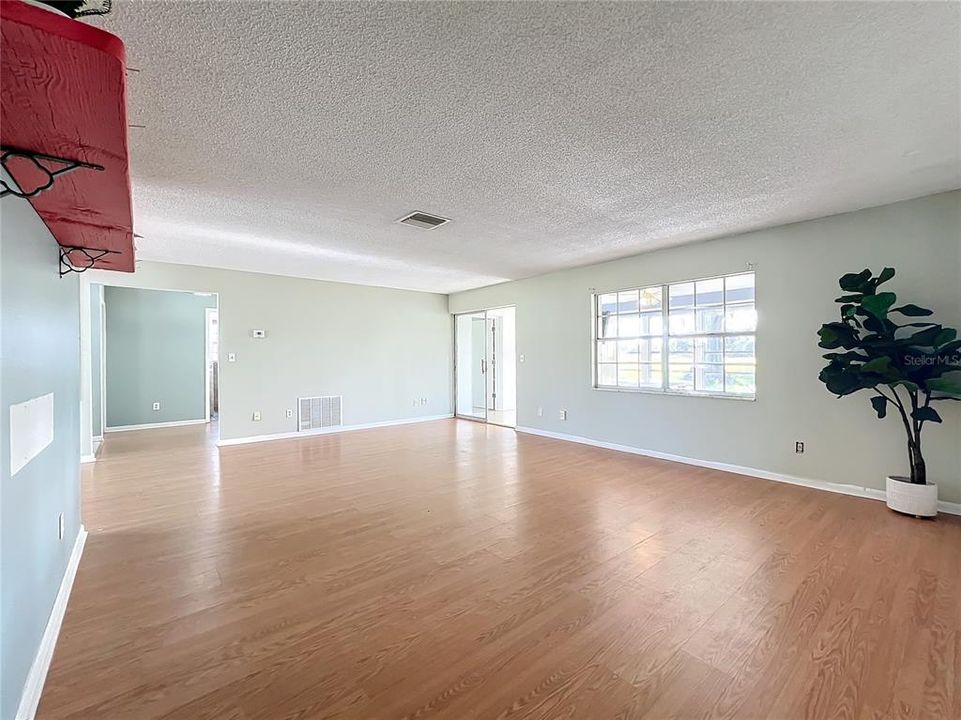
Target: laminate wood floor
(455,570)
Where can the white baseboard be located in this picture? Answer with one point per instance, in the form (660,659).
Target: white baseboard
(855,490)
(97,441)
(148,426)
(330,431)
(949,507)
(33,687)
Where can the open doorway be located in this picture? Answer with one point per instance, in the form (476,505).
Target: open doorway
(159,358)
(485,366)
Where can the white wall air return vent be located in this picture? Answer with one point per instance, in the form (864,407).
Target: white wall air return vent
(320,412)
(423,220)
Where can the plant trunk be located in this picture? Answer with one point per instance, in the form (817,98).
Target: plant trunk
(919,474)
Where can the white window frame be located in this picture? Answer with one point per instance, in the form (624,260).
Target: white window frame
(666,337)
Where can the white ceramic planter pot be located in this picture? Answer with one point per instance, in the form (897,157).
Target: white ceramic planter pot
(910,499)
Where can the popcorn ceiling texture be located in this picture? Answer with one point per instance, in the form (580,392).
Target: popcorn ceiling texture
(287,137)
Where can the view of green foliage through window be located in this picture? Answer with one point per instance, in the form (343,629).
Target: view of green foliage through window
(689,337)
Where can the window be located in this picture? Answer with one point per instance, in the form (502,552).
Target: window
(692,337)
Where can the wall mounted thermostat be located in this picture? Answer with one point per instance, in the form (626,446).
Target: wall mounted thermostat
(258,334)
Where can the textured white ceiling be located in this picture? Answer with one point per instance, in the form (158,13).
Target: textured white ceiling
(287,137)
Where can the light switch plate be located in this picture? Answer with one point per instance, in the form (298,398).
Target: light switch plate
(231,357)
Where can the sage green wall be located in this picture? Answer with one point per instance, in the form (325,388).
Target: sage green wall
(797,270)
(39,354)
(154,353)
(96,416)
(382,349)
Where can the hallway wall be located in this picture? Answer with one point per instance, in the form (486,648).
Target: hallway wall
(39,356)
(386,351)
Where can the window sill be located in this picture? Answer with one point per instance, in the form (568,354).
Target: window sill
(677,393)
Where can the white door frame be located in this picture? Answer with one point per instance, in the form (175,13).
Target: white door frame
(102,316)
(489,369)
(207,374)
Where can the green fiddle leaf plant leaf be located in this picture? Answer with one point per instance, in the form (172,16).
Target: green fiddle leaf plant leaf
(911,310)
(926,413)
(855,282)
(884,276)
(944,337)
(950,386)
(878,305)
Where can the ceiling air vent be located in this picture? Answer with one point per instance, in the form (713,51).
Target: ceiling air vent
(423,220)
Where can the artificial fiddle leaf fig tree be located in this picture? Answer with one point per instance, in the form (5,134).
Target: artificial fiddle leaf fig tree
(908,364)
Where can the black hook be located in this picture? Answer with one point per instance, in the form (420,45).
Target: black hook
(35,158)
(91,255)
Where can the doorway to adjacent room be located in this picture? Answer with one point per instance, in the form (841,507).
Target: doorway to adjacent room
(485,366)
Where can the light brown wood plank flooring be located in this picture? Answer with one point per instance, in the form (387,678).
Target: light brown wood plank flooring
(453,570)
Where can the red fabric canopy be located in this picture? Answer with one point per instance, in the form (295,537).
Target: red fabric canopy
(63,93)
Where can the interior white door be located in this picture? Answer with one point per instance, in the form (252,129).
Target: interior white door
(479,364)
(502,369)
(470,377)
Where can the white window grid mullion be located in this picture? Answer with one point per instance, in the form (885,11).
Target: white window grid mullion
(665,335)
(724,339)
